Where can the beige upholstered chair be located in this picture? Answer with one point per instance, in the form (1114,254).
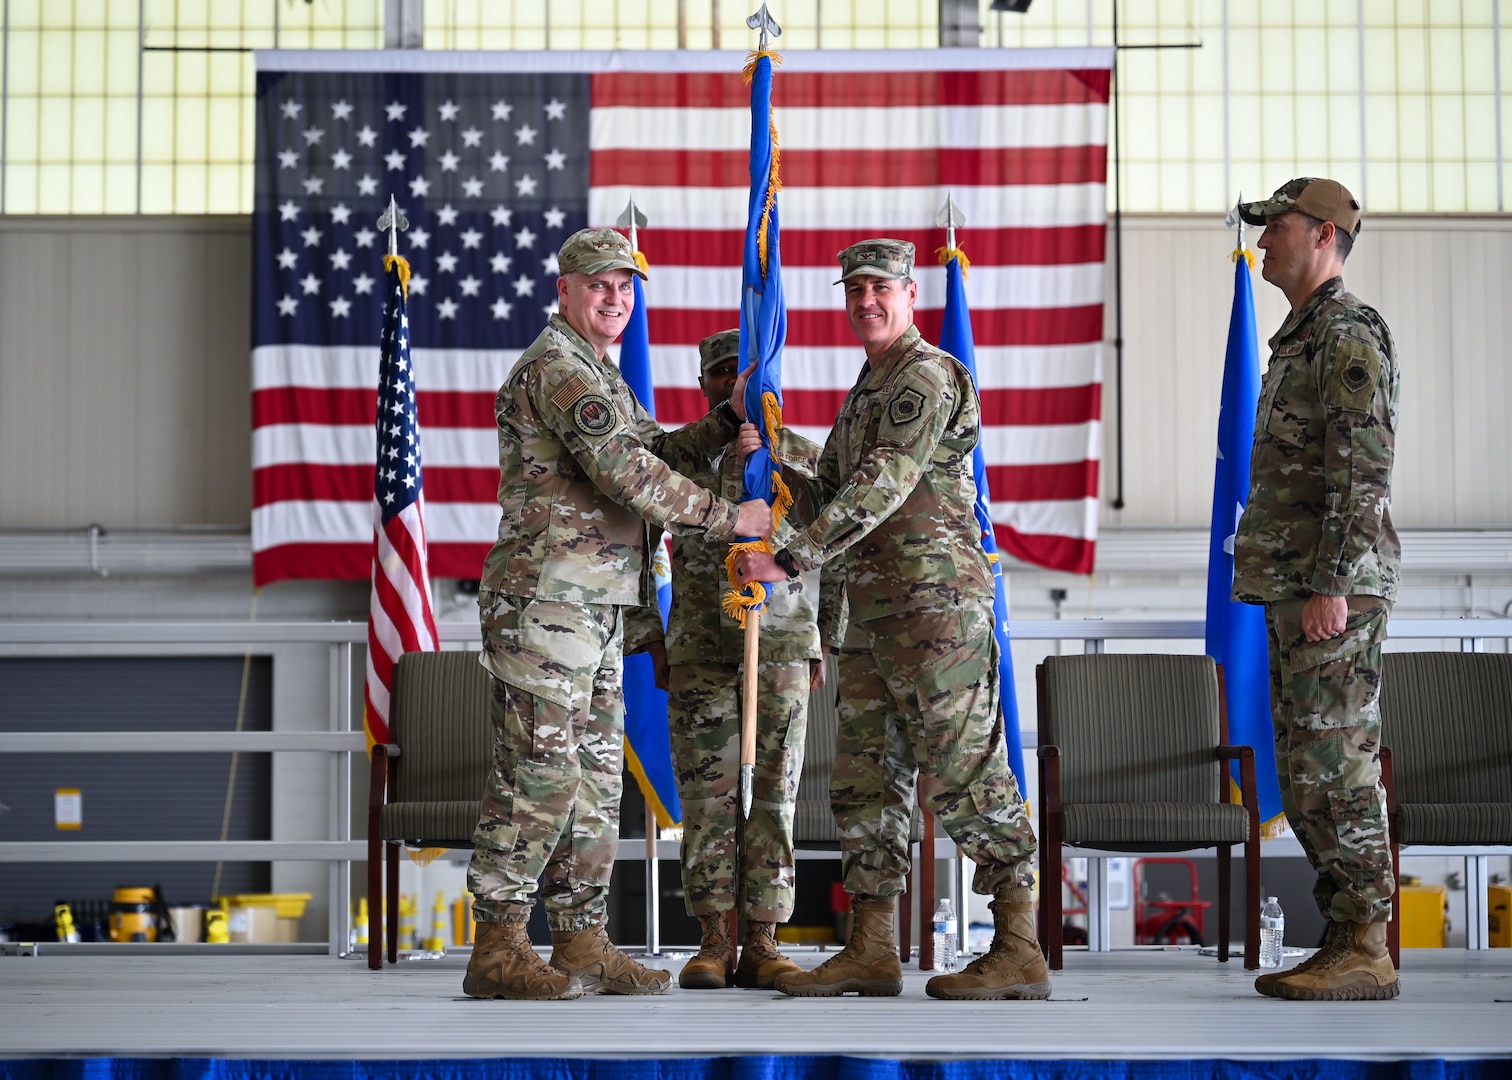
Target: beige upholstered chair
(1133,758)
(427,781)
(1446,726)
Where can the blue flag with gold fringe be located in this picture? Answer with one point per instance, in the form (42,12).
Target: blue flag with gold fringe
(956,339)
(1236,634)
(648,738)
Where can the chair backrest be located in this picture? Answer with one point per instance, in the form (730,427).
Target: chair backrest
(1133,728)
(813,821)
(1447,717)
(438,715)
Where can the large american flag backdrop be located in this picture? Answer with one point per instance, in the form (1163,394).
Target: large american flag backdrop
(497,157)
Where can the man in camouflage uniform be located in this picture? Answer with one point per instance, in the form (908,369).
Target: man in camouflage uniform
(1315,545)
(580,477)
(724,859)
(919,675)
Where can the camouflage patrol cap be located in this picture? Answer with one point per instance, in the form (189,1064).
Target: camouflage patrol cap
(878,257)
(717,348)
(592,251)
(1326,200)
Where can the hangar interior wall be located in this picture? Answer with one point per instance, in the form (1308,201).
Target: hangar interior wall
(125,401)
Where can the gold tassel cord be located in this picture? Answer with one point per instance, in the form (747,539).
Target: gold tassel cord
(390,261)
(945,254)
(736,602)
(1243,253)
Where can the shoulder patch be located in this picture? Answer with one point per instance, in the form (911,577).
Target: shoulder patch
(594,414)
(568,393)
(906,407)
(1356,369)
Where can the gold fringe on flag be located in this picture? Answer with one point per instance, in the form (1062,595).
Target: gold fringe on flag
(424,856)
(1243,253)
(640,261)
(736,602)
(748,72)
(390,261)
(945,254)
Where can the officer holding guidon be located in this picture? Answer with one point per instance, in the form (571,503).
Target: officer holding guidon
(919,704)
(581,475)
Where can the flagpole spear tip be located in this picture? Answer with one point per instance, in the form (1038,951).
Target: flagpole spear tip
(950,216)
(393,222)
(631,220)
(766,24)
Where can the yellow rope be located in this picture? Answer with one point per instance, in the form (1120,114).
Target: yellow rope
(390,261)
(640,261)
(945,254)
(1243,253)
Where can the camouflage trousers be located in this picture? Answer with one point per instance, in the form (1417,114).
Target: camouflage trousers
(1326,717)
(703,706)
(919,708)
(550,816)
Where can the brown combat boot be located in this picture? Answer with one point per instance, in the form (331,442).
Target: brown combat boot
(714,966)
(602,968)
(760,961)
(1013,967)
(868,965)
(1356,968)
(503,965)
(1266,984)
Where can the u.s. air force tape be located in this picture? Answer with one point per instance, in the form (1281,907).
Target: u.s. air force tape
(594,415)
(906,407)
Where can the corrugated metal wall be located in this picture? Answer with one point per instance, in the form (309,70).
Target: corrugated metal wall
(124,377)
(124,373)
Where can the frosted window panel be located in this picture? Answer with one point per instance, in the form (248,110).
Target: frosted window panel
(1207,126)
(1175,141)
(88,123)
(190,73)
(88,189)
(228,192)
(1244,122)
(234,74)
(55,129)
(1384,195)
(1446,61)
(1142,186)
(1412,61)
(1415,180)
(157,189)
(1448,120)
(157,74)
(1278,130)
(88,62)
(1381,127)
(189,130)
(1380,60)
(120,188)
(1480,187)
(53,189)
(157,129)
(1140,115)
(1343,64)
(1276,60)
(55,57)
(1207,185)
(121,62)
(20,189)
(1175,195)
(1449,187)
(225,116)
(1344,127)
(21,133)
(189,190)
(1417,139)
(1480,127)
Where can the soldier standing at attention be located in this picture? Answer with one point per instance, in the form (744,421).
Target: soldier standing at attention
(580,477)
(919,675)
(1315,545)
(725,863)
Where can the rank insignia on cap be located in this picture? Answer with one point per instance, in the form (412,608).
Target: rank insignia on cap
(594,415)
(907,407)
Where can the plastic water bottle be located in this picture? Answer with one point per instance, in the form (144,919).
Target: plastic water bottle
(944,937)
(1272,932)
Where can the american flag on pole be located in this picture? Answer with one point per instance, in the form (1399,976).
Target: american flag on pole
(399,613)
(496,158)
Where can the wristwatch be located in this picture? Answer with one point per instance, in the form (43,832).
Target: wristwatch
(784,559)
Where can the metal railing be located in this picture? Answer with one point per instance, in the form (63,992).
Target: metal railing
(343,735)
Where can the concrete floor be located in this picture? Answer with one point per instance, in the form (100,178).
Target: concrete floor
(1134,1004)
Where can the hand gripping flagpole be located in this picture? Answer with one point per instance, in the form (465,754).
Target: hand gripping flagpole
(762,308)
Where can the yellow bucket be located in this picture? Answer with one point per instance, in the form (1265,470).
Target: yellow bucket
(131,915)
(264,917)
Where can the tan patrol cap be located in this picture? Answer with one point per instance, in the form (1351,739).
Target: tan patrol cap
(1326,200)
(878,257)
(592,251)
(717,348)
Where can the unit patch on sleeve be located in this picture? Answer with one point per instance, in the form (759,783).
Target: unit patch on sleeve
(906,407)
(594,415)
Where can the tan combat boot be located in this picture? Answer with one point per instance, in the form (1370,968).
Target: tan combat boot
(868,965)
(714,966)
(602,968)
(503,965)
(760,961)
(1013,967)
(1266,984)
(1357,968)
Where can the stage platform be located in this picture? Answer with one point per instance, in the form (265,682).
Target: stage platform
(1149,1005)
